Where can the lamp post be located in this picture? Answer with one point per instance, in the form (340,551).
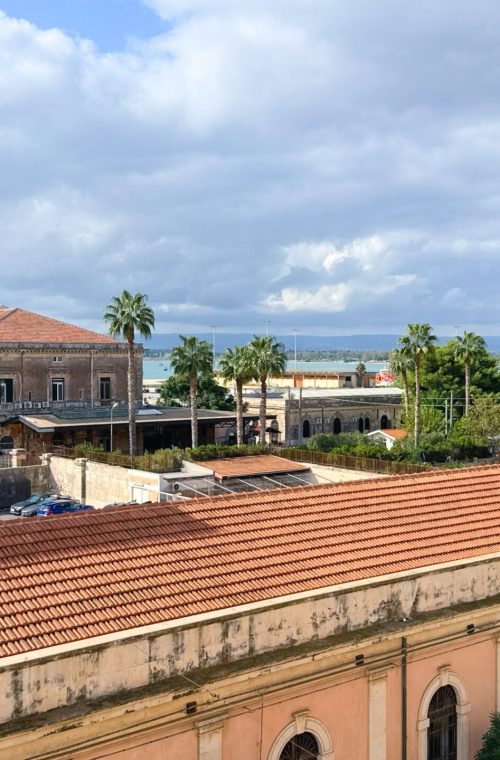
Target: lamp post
(214,327)
(295,331)
(111,436)
(267,322)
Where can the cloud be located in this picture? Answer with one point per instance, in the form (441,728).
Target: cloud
(333,166)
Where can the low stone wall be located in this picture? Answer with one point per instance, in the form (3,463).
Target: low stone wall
(115,663)
(18,483)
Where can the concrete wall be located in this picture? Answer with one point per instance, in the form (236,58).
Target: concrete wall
(115,666)
(100,484)
(18,483)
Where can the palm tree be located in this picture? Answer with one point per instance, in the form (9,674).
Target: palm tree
(400,364)
(236,366)
(190,360)
(360,373)
(416,343)
(127,315)
(268,359)
(468,347)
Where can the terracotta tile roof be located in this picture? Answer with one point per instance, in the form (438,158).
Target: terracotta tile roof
(240,467)
(396,433)
(73,577)
(19,325)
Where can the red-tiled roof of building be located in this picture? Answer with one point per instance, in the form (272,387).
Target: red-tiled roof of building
(396,433)
(240,467)
(21,326)
(74,577)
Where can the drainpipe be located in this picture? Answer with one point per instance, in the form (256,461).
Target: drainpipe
(91,379)
(404,655)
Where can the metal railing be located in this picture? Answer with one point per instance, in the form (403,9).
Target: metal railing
(381,466)
(146,462)
(38,406)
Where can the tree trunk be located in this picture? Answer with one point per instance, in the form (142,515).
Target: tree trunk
(417,399)
(239,412)
(262,411)
(132,437)
(404,375)
(467,386)
(193,387)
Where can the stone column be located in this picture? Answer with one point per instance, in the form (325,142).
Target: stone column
(83,483)
(210,738)
(18,457)
(377,714)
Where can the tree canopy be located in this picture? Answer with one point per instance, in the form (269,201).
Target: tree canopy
(175,392)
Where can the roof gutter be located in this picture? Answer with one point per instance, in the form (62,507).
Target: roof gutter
(228,612)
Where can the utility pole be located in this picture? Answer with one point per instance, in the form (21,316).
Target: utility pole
(446,416)
(451,410)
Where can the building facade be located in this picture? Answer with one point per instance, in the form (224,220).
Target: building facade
(343,622)
(301,413)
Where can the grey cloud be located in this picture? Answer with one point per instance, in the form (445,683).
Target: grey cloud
(188,166)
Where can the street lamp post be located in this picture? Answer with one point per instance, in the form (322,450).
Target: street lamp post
(214,327)
(111,436)
(295,331)
(267,322)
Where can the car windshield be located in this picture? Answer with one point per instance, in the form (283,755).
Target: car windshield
(33,499)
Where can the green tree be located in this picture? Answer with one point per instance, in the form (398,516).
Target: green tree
(416,343)
(268,359)
(191,360)
(400,364)
(127,315)
(360,373)
(483,420)
(490,748)
(210,395)
(236,367)
(468,348)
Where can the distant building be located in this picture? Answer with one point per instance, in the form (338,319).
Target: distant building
(388,436)
(333,622)
(301,413)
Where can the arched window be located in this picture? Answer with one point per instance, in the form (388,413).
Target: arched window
(6,443)
(360,425)
(442,731)
(337,426)
(301,747)
(306,429)
(384,422)
(367,423)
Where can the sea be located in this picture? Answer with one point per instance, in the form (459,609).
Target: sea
(159,370)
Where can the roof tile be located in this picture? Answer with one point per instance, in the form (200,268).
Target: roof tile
(76,576)
(19,325)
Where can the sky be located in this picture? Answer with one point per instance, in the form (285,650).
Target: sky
(320,165)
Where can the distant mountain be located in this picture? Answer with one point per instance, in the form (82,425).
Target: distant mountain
(304,342)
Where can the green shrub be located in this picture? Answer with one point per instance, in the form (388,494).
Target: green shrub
(223,451)
(490,748)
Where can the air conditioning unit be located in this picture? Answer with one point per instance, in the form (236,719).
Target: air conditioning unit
(37,405)
(27,405)
(18,405)
(45,404)
(318,420)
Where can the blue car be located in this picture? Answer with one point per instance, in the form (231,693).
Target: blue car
(61,506)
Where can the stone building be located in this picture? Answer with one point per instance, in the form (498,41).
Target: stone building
(49,366)
(303,412)
(343,622)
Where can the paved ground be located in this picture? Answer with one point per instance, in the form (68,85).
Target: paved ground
(6,516)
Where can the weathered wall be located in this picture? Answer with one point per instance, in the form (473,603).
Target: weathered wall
(100,484)
(321,474)
(18,483)
(123,665)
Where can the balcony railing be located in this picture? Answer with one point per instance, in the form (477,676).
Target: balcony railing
(38,406)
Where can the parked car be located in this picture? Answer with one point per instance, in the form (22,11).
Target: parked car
(61,506)
(28,507)
(119,504)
